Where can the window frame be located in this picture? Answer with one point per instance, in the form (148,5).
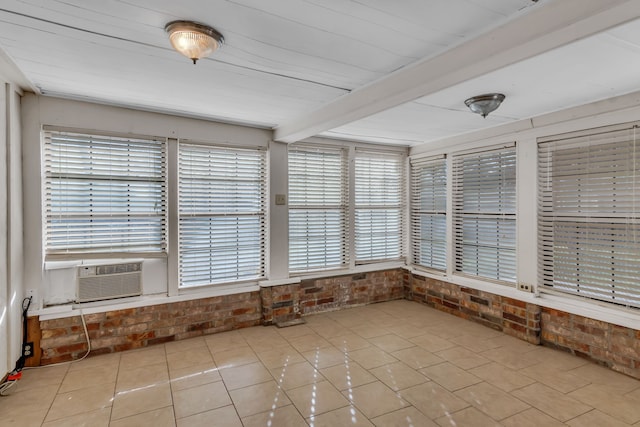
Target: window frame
(501,214)
(219,213)
(439,196)
(364,201)
(98,150)
(570,224)
(305,203)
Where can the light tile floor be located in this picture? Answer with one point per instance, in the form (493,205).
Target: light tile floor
(391,364)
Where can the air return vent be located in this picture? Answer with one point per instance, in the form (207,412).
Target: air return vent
(109,281)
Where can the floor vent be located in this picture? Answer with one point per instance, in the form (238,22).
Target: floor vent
(109,281)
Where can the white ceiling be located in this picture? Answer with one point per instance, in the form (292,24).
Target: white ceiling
(395,72)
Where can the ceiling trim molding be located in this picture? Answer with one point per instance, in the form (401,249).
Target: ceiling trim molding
(545,26)
(10,71)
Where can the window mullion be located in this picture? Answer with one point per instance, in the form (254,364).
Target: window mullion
(351,206)
(173,263)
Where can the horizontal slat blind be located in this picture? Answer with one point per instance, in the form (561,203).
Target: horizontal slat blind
(484,214)
(588,219)
(317,208)
(379,205)
(221,214)
(104,194)
(429,212)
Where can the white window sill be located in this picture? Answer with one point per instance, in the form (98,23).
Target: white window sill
(70,310)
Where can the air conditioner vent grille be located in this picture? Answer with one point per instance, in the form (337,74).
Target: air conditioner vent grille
(117,268)
(103,282)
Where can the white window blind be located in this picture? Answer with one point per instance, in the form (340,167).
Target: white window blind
(104,194)
(429,212)
(317,208)
(221,214)
(379,205)
(484,214)
(589,216)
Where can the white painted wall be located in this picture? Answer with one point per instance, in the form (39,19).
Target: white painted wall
(5,336)
(278,233)
(15,225)
(11,289)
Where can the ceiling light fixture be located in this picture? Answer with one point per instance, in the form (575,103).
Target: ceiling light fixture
(484,104)
(193,40)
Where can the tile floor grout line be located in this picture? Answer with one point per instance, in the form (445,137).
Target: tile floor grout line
(115,387)
(56,395)
(173,407)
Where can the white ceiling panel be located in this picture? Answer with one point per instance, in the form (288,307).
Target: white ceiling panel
(280,58)
(283,60)
(599,67)
(413,124)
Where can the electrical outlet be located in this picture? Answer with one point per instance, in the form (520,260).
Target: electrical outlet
(525,287)
(27,350)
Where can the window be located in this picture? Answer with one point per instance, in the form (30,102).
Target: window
(317,208)
(589,215)
(428,212)
(484,214)
(104,194)
(221,214)
(379,203)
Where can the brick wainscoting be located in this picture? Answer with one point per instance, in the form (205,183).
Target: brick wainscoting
(63,339)
(609,345)
(280,303)
(287,302)
(511,316)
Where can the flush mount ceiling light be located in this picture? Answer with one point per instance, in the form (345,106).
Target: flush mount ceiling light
(484,104)
(193,40)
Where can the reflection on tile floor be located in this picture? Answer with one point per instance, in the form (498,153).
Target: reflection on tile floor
(397,363)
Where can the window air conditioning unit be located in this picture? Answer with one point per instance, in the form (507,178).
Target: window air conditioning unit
(109,281)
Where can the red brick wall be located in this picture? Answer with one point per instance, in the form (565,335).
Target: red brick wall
(605,343)
(118,330)
(333,293)
(287,302)
(610,345)
(63,339)
(511,316)
(280,303)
